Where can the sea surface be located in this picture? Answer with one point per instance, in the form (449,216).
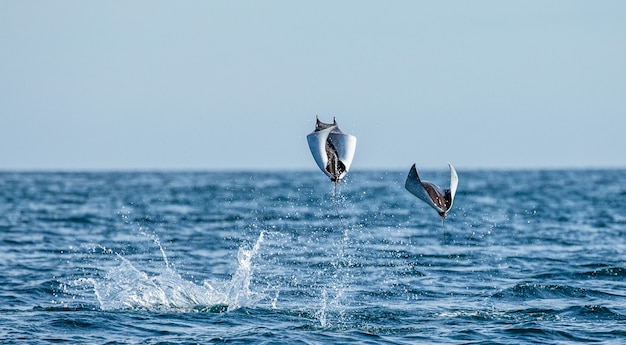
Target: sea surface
(524,257)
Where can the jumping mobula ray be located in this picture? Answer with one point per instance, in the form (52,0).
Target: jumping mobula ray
(439,199)
(332,149)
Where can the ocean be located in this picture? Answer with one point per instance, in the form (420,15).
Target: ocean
(257,257)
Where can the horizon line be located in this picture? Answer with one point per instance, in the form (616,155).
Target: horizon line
(290,169)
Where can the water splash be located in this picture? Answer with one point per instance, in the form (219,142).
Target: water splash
(321,313)
(239,293)
(333,303)
(157,242)
(125,286)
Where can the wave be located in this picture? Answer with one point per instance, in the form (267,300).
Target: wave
(592,312)
(547,291)
(607,272)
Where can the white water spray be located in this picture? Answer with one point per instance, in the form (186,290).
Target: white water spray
(125,286)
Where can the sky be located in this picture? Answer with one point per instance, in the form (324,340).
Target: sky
(237,85)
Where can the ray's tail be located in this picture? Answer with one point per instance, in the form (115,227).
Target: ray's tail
(443,228)
(336,203)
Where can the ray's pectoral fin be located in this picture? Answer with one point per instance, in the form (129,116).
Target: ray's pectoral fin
(451,192)
(318,146)
(424,191)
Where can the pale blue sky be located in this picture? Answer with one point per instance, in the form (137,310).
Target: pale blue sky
(237,84)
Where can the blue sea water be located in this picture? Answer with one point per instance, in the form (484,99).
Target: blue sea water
(273,257)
